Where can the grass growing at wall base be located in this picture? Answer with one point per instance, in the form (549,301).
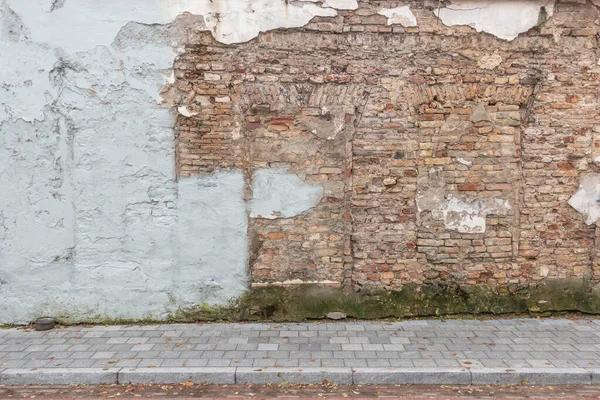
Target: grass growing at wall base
(306,302)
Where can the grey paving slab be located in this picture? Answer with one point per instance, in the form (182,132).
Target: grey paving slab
(342,376)
(176,375)
(59,376)
(530,376)
(416,376)
(527,344)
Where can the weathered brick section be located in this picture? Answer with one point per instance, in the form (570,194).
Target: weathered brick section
(445,155)
(284,126)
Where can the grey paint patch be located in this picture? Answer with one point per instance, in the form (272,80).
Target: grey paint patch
(586,199)
(280,194)
(505,19)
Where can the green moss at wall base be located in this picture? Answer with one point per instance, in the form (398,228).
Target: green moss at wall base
(304,302)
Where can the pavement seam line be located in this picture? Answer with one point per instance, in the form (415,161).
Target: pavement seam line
(119,376)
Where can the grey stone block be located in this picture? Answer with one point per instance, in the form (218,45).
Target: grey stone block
(59,376)
(415,376)
(257,376)
(173,375)
(530,376)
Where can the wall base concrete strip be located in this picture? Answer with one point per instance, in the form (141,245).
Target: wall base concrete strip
(59,376)
(531,376)
(262,375)
(416,376)
(177,375)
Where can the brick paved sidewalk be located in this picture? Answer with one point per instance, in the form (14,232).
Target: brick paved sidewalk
(551,351)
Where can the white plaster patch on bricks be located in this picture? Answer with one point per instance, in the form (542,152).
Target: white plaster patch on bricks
(586,199)
(281,194)
(505,19)
(81,24)
(462,214)
(183,110)
(399,15)
(342,4)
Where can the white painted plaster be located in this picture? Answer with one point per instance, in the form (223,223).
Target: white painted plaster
(505,19)
(341,4)
(95,223)
(183,110)
(399,15)
(280,194)
(82,24)
(212,242)
(585,200)
(463,214)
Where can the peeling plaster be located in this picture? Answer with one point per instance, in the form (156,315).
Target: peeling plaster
(586,199)
(463,214)
(399,15)
(183,110)
(505,19)
(91,208)
(342,4)
(280,194)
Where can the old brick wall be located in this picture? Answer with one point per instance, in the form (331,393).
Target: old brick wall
(445,155)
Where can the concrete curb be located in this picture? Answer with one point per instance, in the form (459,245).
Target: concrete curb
(531,376)
(415,376)
(258,375)
(263,375)
(177,375)
(59,376)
